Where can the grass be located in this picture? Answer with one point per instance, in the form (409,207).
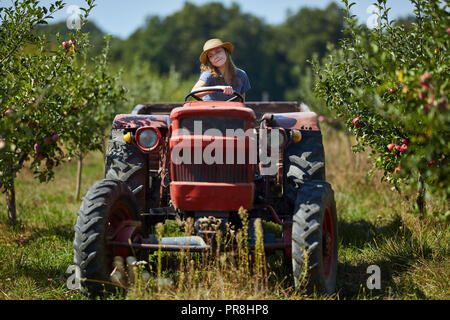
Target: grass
(376,227)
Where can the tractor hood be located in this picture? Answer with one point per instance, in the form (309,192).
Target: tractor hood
(213,108)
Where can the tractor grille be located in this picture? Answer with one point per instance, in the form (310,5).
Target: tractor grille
(227,173)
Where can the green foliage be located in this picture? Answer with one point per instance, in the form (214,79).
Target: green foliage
(96,99)
(96,35)
(271,55)
(390,86)
(53,103)
(413,254)
(274,56)
(146,84)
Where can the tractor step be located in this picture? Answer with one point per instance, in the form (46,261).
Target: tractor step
(192,244)
(187,241)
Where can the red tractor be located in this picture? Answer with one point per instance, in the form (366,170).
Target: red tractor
(166,161)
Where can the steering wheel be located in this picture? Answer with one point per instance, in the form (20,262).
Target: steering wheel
(235,95)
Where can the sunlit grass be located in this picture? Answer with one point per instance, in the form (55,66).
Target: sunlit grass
(376,226)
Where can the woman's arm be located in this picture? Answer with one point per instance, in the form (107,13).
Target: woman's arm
(200,84)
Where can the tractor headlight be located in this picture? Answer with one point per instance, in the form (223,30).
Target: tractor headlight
(148,138)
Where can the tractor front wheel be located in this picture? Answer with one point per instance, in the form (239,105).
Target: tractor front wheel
(108,213)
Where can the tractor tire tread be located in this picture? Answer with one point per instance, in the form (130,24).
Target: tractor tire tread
(312,199)
(90,230)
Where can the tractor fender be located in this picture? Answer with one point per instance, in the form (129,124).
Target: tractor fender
(134,121)
(296,120)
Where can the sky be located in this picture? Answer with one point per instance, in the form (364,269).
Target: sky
(122,17)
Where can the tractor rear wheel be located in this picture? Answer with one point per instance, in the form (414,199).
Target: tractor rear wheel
(304,161)
(314,237)
(108,212)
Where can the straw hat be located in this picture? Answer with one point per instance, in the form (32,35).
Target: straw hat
(212,44)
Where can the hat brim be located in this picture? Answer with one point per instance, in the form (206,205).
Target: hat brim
(227,45)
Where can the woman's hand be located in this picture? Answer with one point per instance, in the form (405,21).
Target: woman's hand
(228,90)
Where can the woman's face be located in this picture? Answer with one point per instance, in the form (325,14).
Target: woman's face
(217,57)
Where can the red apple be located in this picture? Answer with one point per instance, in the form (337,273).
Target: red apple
(422,95)
(403,148)
(398,170)
(426,77)
(406,141)
(64,45)
(392,90)
(425,81)
(55,137)
(397,147)
(355,122)
(31,125)
(48,140)
(425,86)
(9,112)
(432,163)
(443,105)
(37,148)
(390,146)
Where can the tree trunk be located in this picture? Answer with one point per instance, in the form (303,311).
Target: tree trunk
(79,170)
(11,204)
(353,156)
(420,200)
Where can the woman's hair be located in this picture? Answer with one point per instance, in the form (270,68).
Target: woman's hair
(230,69)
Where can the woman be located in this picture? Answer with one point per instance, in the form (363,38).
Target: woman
(218,69)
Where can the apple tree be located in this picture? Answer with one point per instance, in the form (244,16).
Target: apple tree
(390,85)
(42,90)
(97,96)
